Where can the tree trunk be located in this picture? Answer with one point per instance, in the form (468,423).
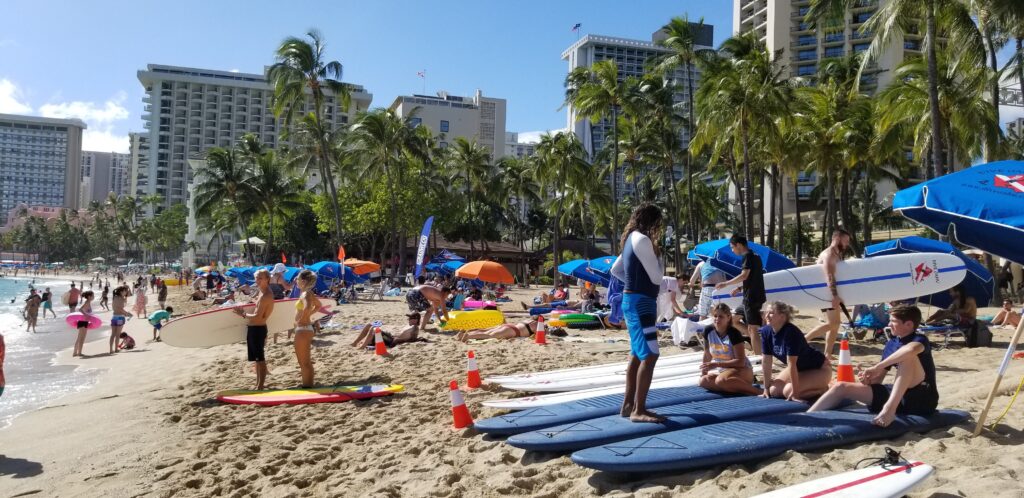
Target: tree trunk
(866,217)
(1020,64)
(992,140)
(844,200)
(748,193)
(770,238)
(689,161)
(615,181)
(933,89)
(760,209)
(674,196)
(779,185)
(799,227)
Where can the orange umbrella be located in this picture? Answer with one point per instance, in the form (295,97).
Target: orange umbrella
(487,271)
(360,267)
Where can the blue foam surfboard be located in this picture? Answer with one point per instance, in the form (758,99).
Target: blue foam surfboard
(604,430)
(755,439)
(563,413)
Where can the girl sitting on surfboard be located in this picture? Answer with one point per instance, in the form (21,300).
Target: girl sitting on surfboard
(725,367)
(806,371)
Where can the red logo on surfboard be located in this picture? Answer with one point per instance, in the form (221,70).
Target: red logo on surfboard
(1012,182)
(921,272)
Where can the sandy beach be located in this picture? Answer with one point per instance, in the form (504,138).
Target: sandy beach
(151,426)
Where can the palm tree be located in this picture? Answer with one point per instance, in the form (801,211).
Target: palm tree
(224,179)
(561,159)
(384,142)
(890,22)
(681,39)
(518,183)
(275,191)
(597,93)
(301,72)
(471,162)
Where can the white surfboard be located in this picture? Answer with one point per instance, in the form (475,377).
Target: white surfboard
(591,371)
(860,281)
(877,481)
(223,326)
(609,379)
(556,398)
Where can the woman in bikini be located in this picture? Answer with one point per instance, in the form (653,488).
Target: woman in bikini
(306,305)
(503,331)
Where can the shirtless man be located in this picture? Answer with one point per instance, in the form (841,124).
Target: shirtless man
(828,258)
(256,332)
(430,299)
(408,334)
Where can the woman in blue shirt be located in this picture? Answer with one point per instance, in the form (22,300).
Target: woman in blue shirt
(806,372)
(640,271)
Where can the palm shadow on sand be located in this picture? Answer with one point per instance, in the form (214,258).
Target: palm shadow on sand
(19,468)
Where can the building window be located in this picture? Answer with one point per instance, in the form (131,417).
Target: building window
(806,70)
(444,126)
(861,47)
(806,40)
(807,55)
(834,52)
(444,145)
(414,122)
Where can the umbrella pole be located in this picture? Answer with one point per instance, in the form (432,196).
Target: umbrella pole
(999,377)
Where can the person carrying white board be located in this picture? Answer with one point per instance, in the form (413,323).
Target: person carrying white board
(256,332)
(913,392)
(828,259)
(752,277)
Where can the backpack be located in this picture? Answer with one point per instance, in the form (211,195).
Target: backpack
(979,335)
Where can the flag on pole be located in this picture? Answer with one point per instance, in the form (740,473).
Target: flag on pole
(422,74)
(422,250)
(284,259)
(576,27)
(341,254)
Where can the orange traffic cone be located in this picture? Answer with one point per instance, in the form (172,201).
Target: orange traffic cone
(844,373)
(379,348)
(472,373)
(540,337)
(460,414)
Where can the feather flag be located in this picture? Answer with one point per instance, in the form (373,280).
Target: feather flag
(422,250)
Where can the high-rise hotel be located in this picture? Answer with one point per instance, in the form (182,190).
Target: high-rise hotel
(40,162)
(189,110)
(631,57)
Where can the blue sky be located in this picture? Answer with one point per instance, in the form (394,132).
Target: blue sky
(79,58)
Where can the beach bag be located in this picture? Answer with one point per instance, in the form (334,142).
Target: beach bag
(979,335)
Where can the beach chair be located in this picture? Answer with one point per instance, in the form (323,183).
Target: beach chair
(377,291)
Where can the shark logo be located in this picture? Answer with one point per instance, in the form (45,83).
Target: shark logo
(921,272)
(1012,182)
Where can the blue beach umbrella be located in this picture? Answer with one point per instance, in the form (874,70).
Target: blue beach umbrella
(722,257)
(602,266)
(449,267)
(692,257)
(579,268)
(978,282)
(330,270)
(446,255)
(981,206)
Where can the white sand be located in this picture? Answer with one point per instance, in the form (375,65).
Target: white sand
(151,427)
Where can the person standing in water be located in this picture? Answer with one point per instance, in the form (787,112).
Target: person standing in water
(32,310)
(828,259)
(119,316)
(73,296)
(640,270)
(83,325)
(256,332)
(48,303)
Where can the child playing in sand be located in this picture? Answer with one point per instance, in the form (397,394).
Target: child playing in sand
(912,393)
(408,334)
(126,342)
(157,318)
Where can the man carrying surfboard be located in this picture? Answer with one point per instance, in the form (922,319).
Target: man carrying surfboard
(256,332)
(832,255)
(754,297)
(912,393)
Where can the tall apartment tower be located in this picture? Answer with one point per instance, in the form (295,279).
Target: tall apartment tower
(189,110)
(476,118)
(138,167)
(40,162)
(103,173)
(630,57)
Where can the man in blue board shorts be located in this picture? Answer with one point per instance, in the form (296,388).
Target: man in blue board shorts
(913,391)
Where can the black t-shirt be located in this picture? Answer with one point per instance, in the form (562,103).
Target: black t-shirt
(753,286)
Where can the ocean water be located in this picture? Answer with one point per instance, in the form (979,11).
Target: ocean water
(33,377)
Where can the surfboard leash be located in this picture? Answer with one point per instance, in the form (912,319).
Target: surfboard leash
(891,458)
(1008,406)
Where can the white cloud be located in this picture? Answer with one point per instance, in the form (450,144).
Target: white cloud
(110,111)
(534,136)
(103,139)
(11,99)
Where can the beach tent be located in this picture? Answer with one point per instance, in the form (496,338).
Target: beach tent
(449,268)
(720,255)
(980,207)
(360,267)
(253,241)
(486,271)
(330,270)
(446,255)
(978,283)
(580,268)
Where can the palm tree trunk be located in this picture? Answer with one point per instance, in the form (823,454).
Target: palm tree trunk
(844,199)
(673,192)
(780,184)
(799,226)
(692,231)
(771,205)
(933,89)
(748,187)
(760,208)
(992,142)
(615,179)
(865,221)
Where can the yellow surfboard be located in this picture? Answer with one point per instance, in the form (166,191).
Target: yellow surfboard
(479,319)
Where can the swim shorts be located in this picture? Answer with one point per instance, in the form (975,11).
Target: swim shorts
(921,399)
(117,320)
(705,302)
(641,314)
(256,341)
(751,313)
(417,301)
(82,324)
(388,339)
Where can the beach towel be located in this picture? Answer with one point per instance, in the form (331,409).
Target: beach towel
(685,330)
